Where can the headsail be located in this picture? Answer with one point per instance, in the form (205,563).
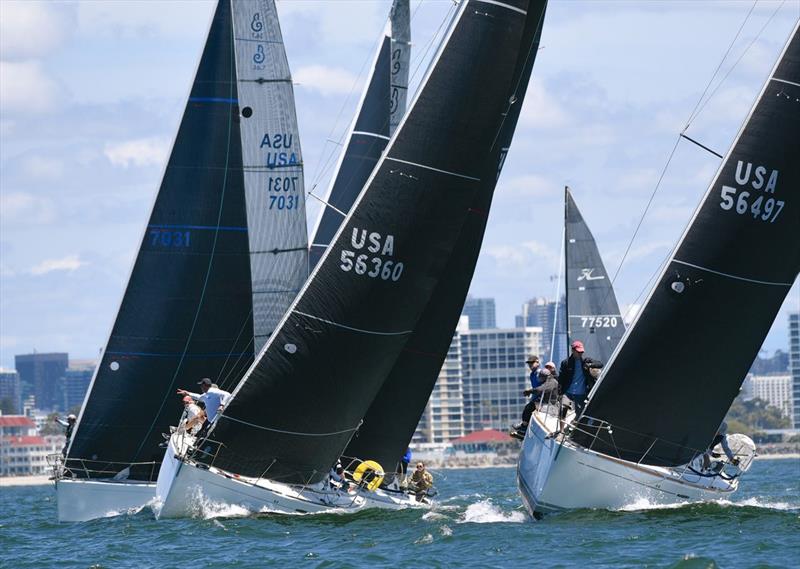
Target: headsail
(302,400)
(401,57)
(188,309)
(594,316)
(392,418)
(273,164)
(682,362)
(366,140)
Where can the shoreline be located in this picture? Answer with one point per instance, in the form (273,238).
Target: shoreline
(35,480)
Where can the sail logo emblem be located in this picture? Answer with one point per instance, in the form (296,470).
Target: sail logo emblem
(256,24)
(258,56)
(586,275)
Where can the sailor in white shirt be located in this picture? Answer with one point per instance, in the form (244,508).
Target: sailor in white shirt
(214,397)
(190,421)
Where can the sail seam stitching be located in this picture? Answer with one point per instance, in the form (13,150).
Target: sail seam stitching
(504,5)
(738,278)
(456,174)
(331,322)
(288,432)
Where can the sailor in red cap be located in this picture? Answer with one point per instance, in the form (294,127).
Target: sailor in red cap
(575,377)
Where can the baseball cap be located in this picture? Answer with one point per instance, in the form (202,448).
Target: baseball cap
(532,359)
(205,381)
(577,345)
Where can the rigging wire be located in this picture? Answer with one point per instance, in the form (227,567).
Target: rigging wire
(558,290)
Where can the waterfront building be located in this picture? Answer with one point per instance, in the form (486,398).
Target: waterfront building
(494,375)
(443,418)
(794,364)
(543,313)
(774,388)
(9,391)
(23,451)
(481,313)
(41,376)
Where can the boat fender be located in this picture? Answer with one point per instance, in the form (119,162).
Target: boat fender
(371,473)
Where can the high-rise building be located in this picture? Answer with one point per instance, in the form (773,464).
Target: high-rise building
(794,363)
(443,418)
(43,375)
(774,388)
(76,383)
(481,313)
(495,375)
(542,313)
(10,396)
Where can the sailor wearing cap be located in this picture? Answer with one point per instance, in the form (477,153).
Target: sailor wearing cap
(213,397)
(69,425)
(575,376)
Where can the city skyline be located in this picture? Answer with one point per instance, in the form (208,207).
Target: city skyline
(87,123)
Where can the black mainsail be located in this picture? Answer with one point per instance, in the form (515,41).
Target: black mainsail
(592,309)
(367,139)
(195,304)
(301,402)
(678,369)
(393,416)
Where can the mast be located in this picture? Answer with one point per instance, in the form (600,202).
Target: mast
(593,313)
(566,271)
(301,401)
(400,18)
(679,367)
(392,418)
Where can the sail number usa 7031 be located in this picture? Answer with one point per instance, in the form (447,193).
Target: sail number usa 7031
(759,203)
(371,256)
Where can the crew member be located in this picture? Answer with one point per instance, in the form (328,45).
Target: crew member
(575,377)
(214,397)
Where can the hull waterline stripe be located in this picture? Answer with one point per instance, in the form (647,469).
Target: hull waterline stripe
(730,276)
(785,81)
(504,5)
(373,332)
(365,133)
(433,169)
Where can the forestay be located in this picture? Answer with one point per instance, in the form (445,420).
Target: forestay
(366,140)
(393,417)
(681,364)
(273,164)
(592,308)
(302,400)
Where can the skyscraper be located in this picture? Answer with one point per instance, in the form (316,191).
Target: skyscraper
(481,312)
(494,375)
(542,313)
(76,383)
(794,363)
(42,375)
(9,391)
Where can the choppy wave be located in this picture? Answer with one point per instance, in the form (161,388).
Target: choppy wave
(484,512)
(643,504)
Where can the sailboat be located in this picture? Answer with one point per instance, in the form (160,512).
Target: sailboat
(304,397)
(645,426)
(222,257)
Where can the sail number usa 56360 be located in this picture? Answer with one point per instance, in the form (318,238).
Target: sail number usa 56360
(371,256)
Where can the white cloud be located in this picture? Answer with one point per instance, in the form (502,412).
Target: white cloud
(137,19)
(522,255)
(31,29)
(541,110)
(20,208)
(530,186)
(327,80)
(150,151)
(26,87)
(69,263)
(43,168)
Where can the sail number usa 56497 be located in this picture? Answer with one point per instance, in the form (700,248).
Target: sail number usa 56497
(371,256)
(759,203)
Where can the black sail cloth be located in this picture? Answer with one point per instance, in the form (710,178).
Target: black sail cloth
(187,309)
(300,403)
(677,372)
(392,418)
(592,308)
(367,140)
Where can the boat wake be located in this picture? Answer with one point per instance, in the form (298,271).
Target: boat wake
(643,504)
(484,512)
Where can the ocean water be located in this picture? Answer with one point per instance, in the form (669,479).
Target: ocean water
(478,521)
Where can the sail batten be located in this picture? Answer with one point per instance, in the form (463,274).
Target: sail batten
(718,295)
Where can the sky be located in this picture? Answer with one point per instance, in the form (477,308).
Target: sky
(91,94)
